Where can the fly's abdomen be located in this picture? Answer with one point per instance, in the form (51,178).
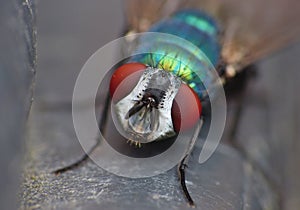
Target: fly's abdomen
(189,62)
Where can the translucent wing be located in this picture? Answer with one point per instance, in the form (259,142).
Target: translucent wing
(143,13)
(251,29)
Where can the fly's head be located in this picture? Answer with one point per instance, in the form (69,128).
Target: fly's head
(144,114)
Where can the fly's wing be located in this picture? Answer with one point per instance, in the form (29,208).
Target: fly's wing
(254,29)
(250,29)
(141,14)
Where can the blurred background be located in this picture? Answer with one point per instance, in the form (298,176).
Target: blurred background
(256,168)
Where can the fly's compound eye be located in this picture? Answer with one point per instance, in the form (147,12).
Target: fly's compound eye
(135,70)
(186,108)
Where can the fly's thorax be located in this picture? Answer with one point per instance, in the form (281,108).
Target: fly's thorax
(145,114)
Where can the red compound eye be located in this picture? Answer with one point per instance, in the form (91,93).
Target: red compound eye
(135,70)
(186,108)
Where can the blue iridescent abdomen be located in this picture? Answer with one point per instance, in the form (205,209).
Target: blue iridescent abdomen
(176,56)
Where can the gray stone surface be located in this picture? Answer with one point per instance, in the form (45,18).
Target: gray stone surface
(226,181)
(260,173)
(17,72)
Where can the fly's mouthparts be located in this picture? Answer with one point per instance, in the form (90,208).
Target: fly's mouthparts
(147,103)
(133,142)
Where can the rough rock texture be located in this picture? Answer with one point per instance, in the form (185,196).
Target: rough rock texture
(17,73)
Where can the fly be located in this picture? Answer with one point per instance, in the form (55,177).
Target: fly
(232,35)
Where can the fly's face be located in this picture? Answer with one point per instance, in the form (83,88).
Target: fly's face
(151,104)
(145,113)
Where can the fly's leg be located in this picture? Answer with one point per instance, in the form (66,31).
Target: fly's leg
(85,157)
(183,163)
(181,171)
(76,164)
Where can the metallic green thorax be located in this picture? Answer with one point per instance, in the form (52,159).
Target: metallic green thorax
(191,62)
(202,22)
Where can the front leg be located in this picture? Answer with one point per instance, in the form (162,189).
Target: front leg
(183,163)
